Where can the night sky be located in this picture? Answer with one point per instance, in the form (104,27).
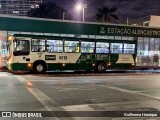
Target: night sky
(131,9)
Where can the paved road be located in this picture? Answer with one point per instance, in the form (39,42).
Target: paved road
(85,92)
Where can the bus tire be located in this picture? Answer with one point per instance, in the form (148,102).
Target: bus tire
(39,68)
(101,67)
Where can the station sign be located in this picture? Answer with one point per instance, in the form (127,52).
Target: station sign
(129,31)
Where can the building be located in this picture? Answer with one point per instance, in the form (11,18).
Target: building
(148,38)
(18,7)
(147,44)
(152,21)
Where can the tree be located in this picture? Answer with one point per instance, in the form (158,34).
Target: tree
(106,14)
(49,10)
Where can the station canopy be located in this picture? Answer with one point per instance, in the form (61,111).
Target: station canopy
(41,25)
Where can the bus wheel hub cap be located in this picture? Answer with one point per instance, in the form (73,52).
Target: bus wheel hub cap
(101,67)
(39,68)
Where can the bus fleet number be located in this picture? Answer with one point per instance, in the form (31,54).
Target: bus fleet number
(62,57)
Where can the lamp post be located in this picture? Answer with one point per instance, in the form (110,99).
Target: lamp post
(82,7)
(63,15)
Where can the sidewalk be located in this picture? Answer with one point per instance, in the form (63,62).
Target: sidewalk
(3,64)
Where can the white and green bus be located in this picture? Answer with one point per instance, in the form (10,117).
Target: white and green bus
(39,53)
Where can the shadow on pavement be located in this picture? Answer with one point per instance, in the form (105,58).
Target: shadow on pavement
(82,73)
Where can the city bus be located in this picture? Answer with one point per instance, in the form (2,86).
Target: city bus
(41,53)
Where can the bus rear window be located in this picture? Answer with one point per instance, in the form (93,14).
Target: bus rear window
(21,47)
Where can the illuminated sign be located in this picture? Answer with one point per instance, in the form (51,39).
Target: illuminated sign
(129,31)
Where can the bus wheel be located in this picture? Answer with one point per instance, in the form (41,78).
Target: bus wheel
(101,67)
(39,68)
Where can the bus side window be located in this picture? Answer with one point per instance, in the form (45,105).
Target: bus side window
(72,46)
(91,50)
(38,45)
(87,47)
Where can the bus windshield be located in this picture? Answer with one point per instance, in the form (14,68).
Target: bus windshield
(21,47)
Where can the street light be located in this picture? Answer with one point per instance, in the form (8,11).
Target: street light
(63,15)
(81,7)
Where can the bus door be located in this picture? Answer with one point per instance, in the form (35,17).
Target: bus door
(86,61)
(88,54)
